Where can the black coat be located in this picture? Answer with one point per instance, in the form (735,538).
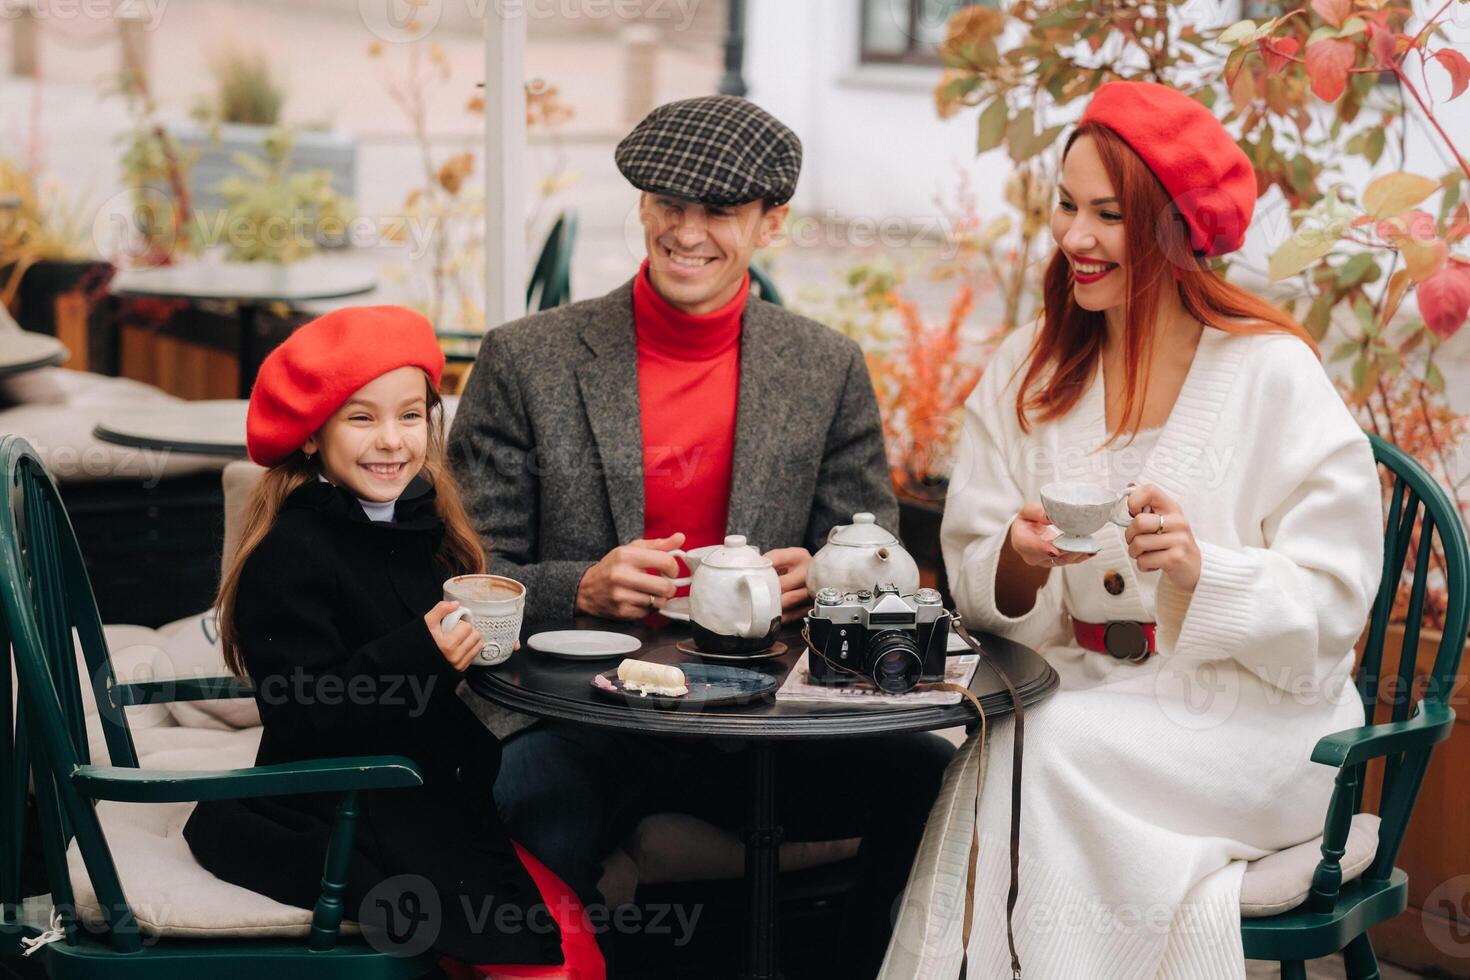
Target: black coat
(329,617)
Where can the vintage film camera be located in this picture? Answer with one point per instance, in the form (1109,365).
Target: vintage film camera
(893,641)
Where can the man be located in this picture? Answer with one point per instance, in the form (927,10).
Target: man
(593,439)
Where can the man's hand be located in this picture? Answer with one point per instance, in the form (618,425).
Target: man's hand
(792,565)
(620,586)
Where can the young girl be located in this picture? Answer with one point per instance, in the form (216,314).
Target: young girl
(332,608)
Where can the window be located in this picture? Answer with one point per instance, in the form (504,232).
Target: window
(905,31)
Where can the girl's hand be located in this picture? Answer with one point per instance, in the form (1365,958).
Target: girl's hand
(1031,538)
(1174,551)
(462,643)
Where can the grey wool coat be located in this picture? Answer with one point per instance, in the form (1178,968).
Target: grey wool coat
(547,442)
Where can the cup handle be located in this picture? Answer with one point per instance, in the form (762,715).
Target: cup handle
(450,621)
(761,602)
(1120,515)
(686,579)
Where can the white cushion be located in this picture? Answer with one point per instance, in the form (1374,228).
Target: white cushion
(62,436)
(239,480)
(1280,882)
(190,649)
(168,891)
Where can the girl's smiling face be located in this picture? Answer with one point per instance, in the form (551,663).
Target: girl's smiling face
(376,442)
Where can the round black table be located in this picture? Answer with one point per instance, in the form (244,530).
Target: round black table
(550,687)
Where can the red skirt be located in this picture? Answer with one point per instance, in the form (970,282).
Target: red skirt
(582,959)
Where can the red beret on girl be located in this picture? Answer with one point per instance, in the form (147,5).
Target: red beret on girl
(1209,177)
(303,381)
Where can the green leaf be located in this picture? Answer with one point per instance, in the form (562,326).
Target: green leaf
(1433,378)
(1305,247)
(1363,310)
(1351,26)
(1360,374)
(992,125)
(1344,350)
(1020,134)
(1377,138)
(1319,317)
(1351,272)
(1237,32)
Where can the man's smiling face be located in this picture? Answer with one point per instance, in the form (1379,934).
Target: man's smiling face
(698,254)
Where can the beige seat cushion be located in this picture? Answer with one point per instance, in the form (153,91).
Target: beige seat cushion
(190,649)
(61,408)
(1280,882)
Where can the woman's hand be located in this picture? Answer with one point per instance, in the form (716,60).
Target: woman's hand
(1159,539)
(462,643)
(1031,539)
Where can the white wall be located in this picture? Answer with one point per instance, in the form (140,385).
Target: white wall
(874,147)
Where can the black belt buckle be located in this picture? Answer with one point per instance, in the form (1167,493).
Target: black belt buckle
(1127,640)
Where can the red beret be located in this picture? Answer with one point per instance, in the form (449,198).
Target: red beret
(303,381)
(1209,177)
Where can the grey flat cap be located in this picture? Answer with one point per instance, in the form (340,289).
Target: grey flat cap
(718,150)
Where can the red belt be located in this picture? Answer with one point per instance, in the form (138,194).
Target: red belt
(1123,639)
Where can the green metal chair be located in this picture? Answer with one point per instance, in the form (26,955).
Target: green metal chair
(44,595)
(550,285)
(764,285)
(1337,916)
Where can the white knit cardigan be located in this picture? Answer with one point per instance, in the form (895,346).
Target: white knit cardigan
(1147,787)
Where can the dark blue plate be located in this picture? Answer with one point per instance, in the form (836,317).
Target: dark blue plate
(709,685)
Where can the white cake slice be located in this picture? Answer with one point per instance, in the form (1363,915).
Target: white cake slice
(647,678)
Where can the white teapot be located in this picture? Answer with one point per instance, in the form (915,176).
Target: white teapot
(858,556)
(735,599)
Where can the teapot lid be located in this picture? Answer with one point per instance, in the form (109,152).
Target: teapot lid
(735,553)
(863,532)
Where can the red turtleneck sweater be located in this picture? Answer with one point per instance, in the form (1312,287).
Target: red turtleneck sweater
(688,383)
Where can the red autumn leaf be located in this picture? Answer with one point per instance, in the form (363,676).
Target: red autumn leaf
(1333,11)
(1385,43)
(1327,65)
(1444,299)
(1278,53)
(1459,68)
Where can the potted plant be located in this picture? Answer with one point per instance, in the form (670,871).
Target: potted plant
(46,252)
(240,114)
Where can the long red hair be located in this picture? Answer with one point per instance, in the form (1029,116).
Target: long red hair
(1068,346)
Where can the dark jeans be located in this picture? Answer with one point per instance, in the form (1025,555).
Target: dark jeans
(570,794)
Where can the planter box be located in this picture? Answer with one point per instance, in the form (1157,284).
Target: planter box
(52,299)
(311,150)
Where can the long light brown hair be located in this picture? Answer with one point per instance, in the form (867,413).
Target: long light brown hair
(1068,347)
(460,552)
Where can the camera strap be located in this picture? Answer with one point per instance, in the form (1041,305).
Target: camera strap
(1017,744)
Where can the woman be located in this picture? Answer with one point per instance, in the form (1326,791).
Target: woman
(1177,746)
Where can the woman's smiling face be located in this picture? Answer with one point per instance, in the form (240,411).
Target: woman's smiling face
(1088,227)
(377,441)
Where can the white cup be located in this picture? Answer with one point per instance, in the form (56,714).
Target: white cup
(692,558)
(494,605)
(1079,509)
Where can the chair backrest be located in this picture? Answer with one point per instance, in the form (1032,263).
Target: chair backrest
(764,286)
(45,595)
(551,278)
(1419,512)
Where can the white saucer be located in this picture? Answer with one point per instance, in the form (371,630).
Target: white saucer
(1077,545)
(584,644)
(676,609)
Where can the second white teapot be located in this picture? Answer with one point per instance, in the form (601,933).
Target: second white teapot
(860,555)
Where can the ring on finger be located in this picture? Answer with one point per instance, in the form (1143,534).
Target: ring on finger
(1161,525)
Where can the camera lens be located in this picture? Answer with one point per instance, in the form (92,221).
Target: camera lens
(895,664)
